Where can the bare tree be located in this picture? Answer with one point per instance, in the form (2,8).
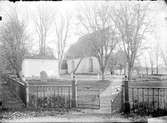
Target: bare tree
(132,25)
(117,60)
(164,52)
(43,23)
(49,52)
(112,63)
(164,57)
(146,66)
(154,56)
(137,66)
(96,22)
(151,62)
(152,65)
(13,44)
(157,51)
(62,34)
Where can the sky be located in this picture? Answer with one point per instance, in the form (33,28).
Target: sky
(27,12)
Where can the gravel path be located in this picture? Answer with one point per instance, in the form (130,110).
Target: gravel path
(108,94)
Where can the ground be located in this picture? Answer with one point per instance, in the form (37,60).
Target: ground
(71,116)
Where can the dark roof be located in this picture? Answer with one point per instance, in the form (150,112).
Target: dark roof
(83,40)
(40,57)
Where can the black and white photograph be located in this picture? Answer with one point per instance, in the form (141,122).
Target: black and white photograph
(83,61)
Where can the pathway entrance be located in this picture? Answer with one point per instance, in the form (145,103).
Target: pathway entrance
(107,95)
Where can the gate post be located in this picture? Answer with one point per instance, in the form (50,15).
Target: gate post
(126,91)
(122,97)
(74,93)
(27,93)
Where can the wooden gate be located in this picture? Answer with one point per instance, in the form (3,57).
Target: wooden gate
(88,98)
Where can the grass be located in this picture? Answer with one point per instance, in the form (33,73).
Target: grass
(81,84)
(100,84)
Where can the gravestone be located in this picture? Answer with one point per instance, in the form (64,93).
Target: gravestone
(43,76)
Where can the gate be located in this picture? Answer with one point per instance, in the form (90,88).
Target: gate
(88,98)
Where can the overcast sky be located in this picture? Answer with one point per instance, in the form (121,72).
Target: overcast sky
(28,10)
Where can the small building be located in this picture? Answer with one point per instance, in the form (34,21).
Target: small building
(88,65)
(33,66)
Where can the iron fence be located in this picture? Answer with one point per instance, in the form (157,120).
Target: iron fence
(146,100)
(49,96)
(41,96)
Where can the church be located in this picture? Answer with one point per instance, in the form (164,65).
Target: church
(32,67)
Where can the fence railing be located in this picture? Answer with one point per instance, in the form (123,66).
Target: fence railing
(42,96)
(147,98)
(49,96)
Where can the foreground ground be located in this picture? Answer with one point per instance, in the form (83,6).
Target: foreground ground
(68,116)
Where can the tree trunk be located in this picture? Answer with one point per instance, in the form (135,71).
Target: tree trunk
(152,70)
(59,66)
(157,69)
(125,70)
(129,72)
(102,67)
(120,71)
(102,73)
(157,65)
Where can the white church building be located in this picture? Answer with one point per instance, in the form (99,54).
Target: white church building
(88,65)
(32,66)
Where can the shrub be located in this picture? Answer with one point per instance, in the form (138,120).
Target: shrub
(51,102)
(145,108)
